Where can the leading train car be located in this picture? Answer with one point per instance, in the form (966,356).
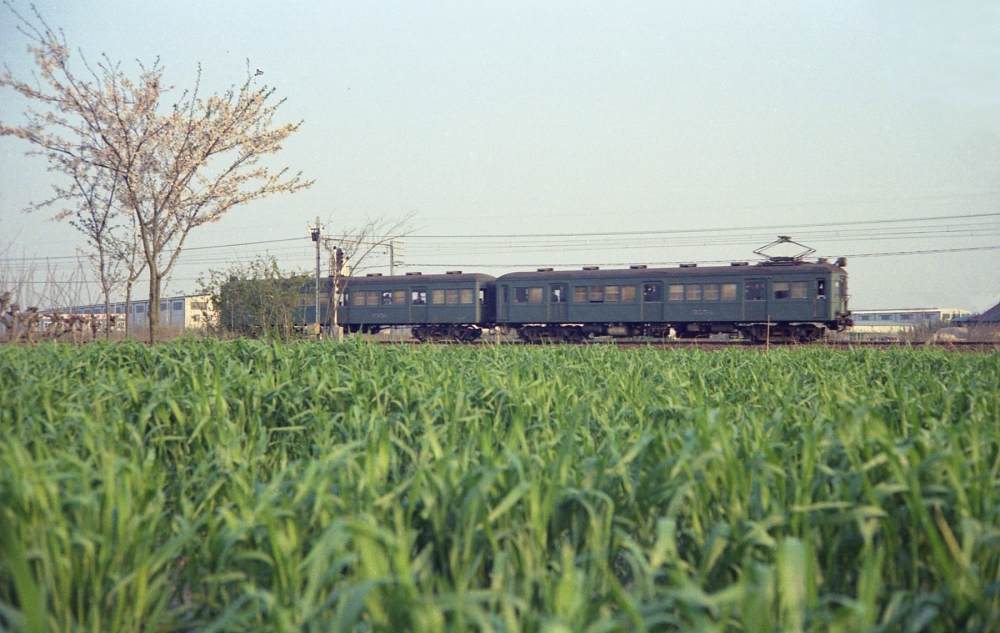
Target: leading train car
(780,301)
(454,306)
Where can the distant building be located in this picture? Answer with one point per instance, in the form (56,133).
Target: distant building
(180,313)
(896,322)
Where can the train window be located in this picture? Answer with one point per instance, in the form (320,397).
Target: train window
(781,290)
(535,295)
(359,298)
(676,293)
(692,292)
(710,292)
(387,297)
(579,294)
(821,288)
(520,295)
(482,296)
(799,290)
(398,297)
(612,293)
(728,292)
(628,294)
(418,297)
(652,293)
(465,296)
(437,297)
(372,297)
(755,291)
(557,294)
(597,294)
(451,296)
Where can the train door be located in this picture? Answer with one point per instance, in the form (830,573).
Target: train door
(821,305)
(418,304)
(503,311)
(557,303)
(487,303)
(652,301)
(841,298)
(755,300)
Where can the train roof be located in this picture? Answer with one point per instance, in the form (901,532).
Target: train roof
(757,270)
(396,280)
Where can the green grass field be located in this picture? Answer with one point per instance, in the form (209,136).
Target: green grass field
(247,486)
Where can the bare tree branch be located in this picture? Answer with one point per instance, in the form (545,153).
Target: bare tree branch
(356,246)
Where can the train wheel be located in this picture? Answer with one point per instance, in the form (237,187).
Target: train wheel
(757,334)
(529,335)
(808,333)
(572,335)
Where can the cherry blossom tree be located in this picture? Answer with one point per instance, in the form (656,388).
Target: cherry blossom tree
(174,167)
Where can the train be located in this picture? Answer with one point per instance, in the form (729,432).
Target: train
(778,299)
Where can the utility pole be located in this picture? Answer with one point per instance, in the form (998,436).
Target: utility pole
(338,264)
(315,232)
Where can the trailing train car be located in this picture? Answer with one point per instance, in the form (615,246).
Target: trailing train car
(453,306)
(788,299)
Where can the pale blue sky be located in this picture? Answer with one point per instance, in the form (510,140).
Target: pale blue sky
(520,118)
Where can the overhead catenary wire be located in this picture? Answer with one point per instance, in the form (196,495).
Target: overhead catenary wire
(440,251)
(702,262)
(221,255)
(844,229)
(781,227)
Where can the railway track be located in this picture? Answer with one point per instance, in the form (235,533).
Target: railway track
(966,346)
(709,345)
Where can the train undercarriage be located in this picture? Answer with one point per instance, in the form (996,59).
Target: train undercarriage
(458,333)
(537,333)
(754,332)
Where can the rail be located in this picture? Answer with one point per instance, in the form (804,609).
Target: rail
(709,345)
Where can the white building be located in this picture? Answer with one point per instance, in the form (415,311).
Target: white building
(179,313)
(897,322)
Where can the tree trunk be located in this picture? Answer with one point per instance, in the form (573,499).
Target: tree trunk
(106,288)
(107,316)
(154,306)
(128,310)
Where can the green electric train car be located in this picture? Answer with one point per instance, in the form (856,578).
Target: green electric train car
(452,306)
(792,300)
